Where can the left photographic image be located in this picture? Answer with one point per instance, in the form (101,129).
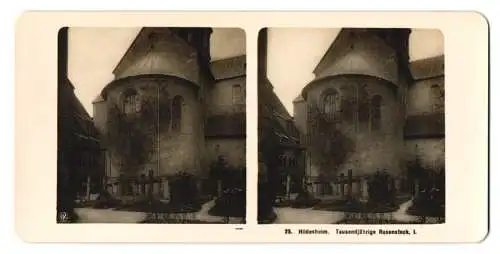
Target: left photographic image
(151,125)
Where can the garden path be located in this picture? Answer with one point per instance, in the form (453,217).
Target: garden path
(288,215)
(91,215)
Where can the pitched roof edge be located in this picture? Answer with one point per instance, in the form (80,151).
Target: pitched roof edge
(129,49)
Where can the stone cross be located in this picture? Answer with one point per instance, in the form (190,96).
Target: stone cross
(88,188)
(121,184)
(359,187)
(288,183)
(166,189)
(417,187)
(342,189)
(364,192)
(150,183)
(349,183)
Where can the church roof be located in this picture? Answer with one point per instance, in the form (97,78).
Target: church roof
(142,41)
(427,67)
(128,54)
(229,68)
(275,119)
(73,115)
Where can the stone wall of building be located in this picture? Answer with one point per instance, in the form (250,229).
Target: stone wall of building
(429,152)
(179,149)
(426,96)
(232,149)
(357,143)
(425,126)
(227,96)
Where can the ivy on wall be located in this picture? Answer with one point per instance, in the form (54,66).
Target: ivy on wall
(133,138)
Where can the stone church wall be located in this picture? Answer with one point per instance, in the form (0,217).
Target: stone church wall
(233,150)
(423,99)
(221,97)
(357,145)
(178,150)
(426,103)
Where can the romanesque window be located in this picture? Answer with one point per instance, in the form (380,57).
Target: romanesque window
(131,102)
(176,113)
(330,104)
(375,114)
(237,95)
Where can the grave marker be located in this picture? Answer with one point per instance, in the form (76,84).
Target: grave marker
(342,188)
(349,183)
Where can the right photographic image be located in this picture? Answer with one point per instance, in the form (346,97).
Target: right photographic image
(351,126)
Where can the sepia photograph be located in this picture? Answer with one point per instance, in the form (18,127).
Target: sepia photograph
(151,125)
(352,129)
(351,126)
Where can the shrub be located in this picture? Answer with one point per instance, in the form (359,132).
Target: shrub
(428,203)
(379,192)
(104,201)
(431,200)
(184,192)
(304,200)
(232,203)
(265,212)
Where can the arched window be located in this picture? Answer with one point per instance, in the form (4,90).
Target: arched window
(177,113)
(330,104)
(375,114)
(131,102)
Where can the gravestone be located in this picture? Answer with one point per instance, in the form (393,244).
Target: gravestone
(359,185)
(135,189)
(166,189)
(288,183)
(219,188)
(364,192)
(397,185)
(156,188)
(150,183)
(349,183)
(342,185)
(87,188)
(417,188)
(121,185)
(142,184)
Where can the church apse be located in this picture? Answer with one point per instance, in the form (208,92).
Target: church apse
(353,122)
(154,126)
